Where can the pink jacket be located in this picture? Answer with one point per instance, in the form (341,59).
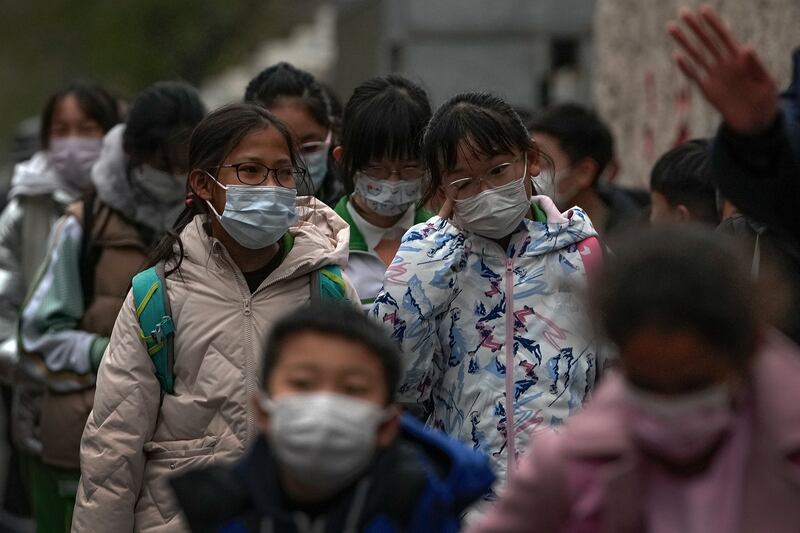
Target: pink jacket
(586,478)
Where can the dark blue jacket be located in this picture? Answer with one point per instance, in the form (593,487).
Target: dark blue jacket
(421,483)
(760,173)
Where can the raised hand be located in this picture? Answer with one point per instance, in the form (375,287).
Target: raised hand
(731,76)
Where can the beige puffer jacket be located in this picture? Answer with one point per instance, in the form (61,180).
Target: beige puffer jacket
(133,440)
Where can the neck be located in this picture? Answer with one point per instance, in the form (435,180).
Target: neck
(246,259)
(595,207)
(382,221)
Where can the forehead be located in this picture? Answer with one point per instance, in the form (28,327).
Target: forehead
(672,360)
(295,114)
(550,146)
(330,354)
(265,144)
(467,156)
(68,109)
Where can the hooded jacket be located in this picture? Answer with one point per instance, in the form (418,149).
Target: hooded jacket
(36,200)
(589,477)
(464,311)
(134,438)
(420,483)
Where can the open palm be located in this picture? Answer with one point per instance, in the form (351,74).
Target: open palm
(731,76)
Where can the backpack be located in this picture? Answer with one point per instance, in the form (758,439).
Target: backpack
(157,329)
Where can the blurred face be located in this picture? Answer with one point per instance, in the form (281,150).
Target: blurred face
(570,177)
(475,173)
(69,120)
(347,368)
(305,130)
(672,363)
(265,148)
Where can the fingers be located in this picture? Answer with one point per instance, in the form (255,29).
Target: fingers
(720,29)
(686,67)
(696,25)
(446,210)
(688,47)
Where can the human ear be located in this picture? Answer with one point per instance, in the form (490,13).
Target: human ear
(389,429)
(682,213)
(262,417)
(533,162)
(584,172)
(201,184)
(338,153)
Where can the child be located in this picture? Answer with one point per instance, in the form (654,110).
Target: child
(681,186)
(484,300)
(96,249)
(699,431)
(380,157)
(334,454)
(295,97)
(243,251)
(582,149)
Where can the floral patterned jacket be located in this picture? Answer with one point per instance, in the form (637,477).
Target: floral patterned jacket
(464,310)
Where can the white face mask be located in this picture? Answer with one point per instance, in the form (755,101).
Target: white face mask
(162,187)
(72,159)
(387,198)
(494,213)
(323,440)
(679,428)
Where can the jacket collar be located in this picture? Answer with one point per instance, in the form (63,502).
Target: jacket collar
(319,237)
(357,241)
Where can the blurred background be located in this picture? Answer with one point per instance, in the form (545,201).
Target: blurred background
(611,54)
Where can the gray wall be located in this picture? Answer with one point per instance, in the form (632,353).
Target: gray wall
(503,46)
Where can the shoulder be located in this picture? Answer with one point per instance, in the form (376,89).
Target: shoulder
(432,241)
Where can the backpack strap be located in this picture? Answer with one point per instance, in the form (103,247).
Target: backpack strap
(157,330)
(328,284)
(89,254)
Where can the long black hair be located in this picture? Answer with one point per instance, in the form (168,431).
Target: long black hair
(212,140)
(488,125)
(160,120)
(385,117)
(95,102)
(284,80)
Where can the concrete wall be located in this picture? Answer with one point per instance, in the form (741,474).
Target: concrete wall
(646,99)
(452,46)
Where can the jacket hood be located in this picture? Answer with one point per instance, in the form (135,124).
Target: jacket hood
(116,189)
(599,430)
(35,176)
(559,231)
(320,238)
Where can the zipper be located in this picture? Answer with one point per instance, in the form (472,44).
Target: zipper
(249,378)
(511,447)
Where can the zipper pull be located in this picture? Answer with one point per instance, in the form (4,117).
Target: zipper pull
(247,309)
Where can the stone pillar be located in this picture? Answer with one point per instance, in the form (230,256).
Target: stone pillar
(648,102)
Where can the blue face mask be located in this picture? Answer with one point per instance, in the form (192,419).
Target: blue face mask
(317,165)
(256,217)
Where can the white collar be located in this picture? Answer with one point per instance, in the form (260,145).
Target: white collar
(374,234)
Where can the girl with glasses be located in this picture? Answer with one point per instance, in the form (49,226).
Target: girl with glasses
(380,155)
(243,252)
(306,107)
(484,299)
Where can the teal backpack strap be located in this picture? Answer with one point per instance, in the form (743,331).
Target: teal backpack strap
(328,284)
(157,329)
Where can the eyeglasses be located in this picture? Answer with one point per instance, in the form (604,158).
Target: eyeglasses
(497,176)
(252,173)
(406,173)
(312,147)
